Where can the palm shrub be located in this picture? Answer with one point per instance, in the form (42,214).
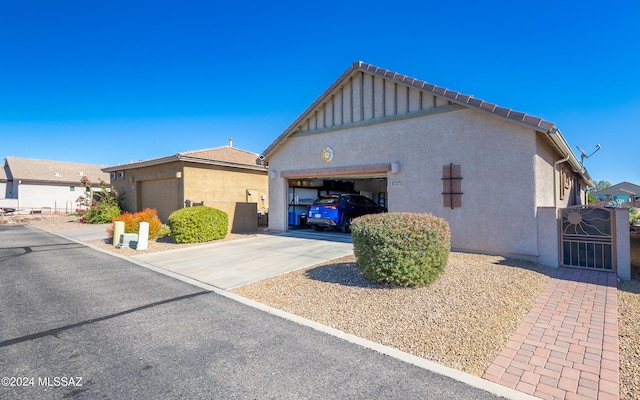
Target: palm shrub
(132,222)
(198,224)
(403,249)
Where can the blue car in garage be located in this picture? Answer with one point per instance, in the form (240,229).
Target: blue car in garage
(338,211)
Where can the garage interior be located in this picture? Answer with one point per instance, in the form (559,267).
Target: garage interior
(304,191)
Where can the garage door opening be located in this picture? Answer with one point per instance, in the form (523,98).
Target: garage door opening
(303,192)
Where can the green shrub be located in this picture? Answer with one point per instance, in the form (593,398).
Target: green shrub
(101,213)
(105,207)
(164,231)
(198,224)
(403,249)
(634,215)
(132,222)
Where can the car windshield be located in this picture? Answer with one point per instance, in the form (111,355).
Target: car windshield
(326,200)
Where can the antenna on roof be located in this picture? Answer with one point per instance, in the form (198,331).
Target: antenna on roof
(583,154)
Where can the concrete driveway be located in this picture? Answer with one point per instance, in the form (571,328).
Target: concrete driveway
(230,264)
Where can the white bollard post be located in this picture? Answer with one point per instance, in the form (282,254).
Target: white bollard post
(118,230)
(143,236)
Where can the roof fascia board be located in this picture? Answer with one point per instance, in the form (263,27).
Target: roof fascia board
(222,163)
(141,164)
(177,157)
(56,183)
(563,148)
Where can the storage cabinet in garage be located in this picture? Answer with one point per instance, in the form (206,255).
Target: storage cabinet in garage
(300,199)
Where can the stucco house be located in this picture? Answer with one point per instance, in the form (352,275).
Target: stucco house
(224,177)
(32,185)
(416,147)
(623,191)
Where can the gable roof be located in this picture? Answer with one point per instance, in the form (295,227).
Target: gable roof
(619,189)
(47,171)
(536,123)
(223,156)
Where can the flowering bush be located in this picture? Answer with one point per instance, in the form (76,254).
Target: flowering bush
(132,223)
(403,249)
(198,224)
(105,207)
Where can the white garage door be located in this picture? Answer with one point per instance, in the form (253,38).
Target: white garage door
(161,195)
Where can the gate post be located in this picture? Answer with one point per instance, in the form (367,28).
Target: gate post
(548,239)
(622,243)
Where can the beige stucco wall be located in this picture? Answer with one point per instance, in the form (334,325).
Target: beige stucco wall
(546,180)
(130,183)
(238,192)
(214,186)
(497,159)
(623,244)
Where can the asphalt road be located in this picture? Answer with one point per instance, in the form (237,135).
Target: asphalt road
(79,323)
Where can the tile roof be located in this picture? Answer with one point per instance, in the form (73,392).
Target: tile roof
(456,97)
(536,123)
(224,155)
(30,169)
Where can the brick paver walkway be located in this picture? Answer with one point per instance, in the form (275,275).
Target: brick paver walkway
(567,346)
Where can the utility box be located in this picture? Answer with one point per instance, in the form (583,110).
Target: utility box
(128,240)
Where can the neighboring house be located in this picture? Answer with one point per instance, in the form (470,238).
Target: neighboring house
(225,178)
(623,191)
(415,147)
(46,186)
(3,184)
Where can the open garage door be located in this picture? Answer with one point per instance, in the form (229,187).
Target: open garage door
(304,191)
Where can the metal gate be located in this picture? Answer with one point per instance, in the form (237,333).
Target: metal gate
(586,238)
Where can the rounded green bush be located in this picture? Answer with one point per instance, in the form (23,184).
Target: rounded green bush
(102,213)
(403,249)
(198,224)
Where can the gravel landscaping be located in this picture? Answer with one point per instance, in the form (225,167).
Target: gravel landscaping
(629,326)
(463,320)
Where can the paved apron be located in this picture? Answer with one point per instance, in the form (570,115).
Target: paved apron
(567,346)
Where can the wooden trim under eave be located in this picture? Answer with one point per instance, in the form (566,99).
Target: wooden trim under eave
(337,171)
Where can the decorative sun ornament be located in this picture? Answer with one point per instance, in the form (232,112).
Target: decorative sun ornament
(327,154)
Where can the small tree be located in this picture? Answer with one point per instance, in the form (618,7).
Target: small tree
(104,206)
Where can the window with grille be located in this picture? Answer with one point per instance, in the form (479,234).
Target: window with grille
(452,186)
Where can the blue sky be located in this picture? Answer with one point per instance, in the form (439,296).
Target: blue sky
(110,82)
